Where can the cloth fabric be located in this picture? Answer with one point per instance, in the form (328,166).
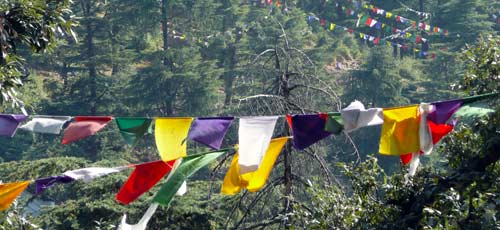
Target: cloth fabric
(89,174)
(133,129)
(9,123)
(171,135)
(400,131)
(83,127)
(210,131)
(143,223)
(188,167)
(254,136)
(444,110)
(142,179)
(9,192)
(334,123)
(46,124)
(475,110)
(44,183)
(355,116)
(253,181)
(308,129)
(424,132)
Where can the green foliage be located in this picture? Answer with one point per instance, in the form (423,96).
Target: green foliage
(483,66)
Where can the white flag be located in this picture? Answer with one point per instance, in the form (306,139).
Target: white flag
(89,174)
(46,124)
(143,223)
(355,116)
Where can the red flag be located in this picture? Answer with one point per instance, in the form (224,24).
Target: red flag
(323,22)
(418,39)
(438,131)
(368,21)
(143,178)
(289,120)
(83,127)
(376,41)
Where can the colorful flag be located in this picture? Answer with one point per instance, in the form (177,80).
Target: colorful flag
(253,181)
(171,135)
(400,131)
(44,183)
(444,110)
(9,123)
(334,123)
(9,192)
(188,167)
(308,129)
(254,136)
(332,26)
(46,124)
(142,179)
(134,128)
(210,131)
(83,127)
(89,174)
(355,116)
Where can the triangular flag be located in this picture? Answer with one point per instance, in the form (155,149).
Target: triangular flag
(400,131)
(9,192)
(89,174)
(254,136)
(142,179)
(83,127)
(254,181)
(355,116)
(188,167)
(44,183)
(308,129)
(46,124)
(9,123)
(170,137)
(210,131)
(134,128)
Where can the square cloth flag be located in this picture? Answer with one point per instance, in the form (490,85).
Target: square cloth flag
(400,131)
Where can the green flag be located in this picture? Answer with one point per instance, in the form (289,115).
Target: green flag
(472,99)
(334,123)
(188,167)
(134,128)
(473,110)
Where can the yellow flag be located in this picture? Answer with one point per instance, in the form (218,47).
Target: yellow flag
(400,131)
(9,192)
(332,26)
(171,137)
(388,14)
(253,181)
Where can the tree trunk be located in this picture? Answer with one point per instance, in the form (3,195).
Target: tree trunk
(90,49)
(164,26)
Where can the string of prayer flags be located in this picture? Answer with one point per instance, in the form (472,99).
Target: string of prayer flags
(46,124)
(133,129)
(308,129)
(9,123)
(334,123)
(89,174)
(190,164)
(210,131)
(400,131)
(254,136)
(234,181)
(355,116)
(142,179)
(444,110)
(9,192)
(143,223)
(171,135)
(84,126)
(44,183)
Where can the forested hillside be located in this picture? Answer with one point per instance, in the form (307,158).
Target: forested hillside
(214,58)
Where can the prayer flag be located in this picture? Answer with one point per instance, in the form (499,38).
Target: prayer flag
(83,127)
(134,128)
(254,136)
(9,192)
(308,129)
(143,223)
(388,15)
(44,183)
(188,167)
(368,22)
(355,116)
(334,123)
(400,131)
(253,181)
(9,123)
(46,124)
(332,26)
(170,137)
(210,131)
(89,174)
(142,179)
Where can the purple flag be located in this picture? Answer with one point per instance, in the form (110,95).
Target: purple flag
(210,131)
(308,129)
(444,110)
(9,123)
(44,183)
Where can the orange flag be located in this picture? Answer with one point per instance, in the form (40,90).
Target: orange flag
(9,192)
(83,127)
